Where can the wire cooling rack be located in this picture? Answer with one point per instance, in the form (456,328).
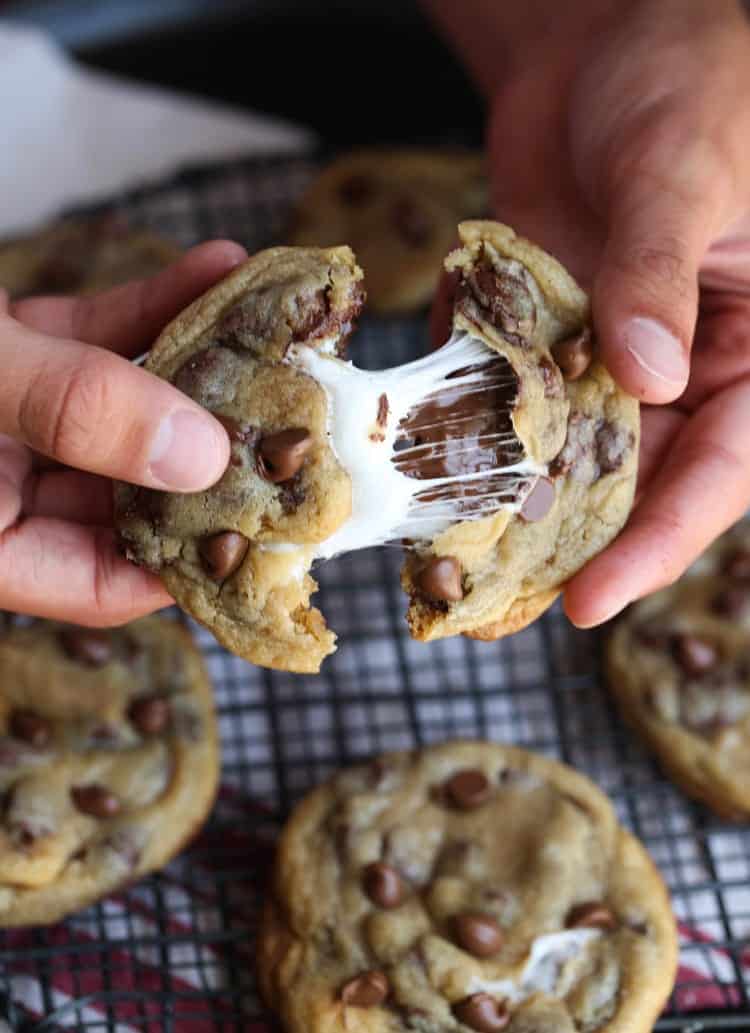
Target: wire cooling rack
(174,953)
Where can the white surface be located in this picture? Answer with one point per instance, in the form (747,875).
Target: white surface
(71,136)
(385,506)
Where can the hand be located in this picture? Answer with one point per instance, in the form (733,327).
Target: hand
(73,413)
(623,150)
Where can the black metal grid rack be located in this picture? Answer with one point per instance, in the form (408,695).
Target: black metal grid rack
(174,954)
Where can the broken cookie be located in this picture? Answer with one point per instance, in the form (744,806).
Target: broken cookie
(503,461)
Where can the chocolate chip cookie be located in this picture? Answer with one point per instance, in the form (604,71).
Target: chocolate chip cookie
(503,461)
(469,886)
(108,760)
(678,665)
(398,210)
(81,256)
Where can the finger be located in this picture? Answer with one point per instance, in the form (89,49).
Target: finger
(703,488)
(660,425)
(721,353)
(664,206)
(53,569)
(81,498)
(127,319)
(97,412)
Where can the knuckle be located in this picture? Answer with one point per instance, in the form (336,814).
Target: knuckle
(61,415)
(658,266)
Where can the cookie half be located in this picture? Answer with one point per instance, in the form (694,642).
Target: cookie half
(81,256)
(109,760)
(398,210)
(504,460)
(678,664)
(468,886)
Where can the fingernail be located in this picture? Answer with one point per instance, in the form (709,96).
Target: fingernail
(188,452)
(656,350)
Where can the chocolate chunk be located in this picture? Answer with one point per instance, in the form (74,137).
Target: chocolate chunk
(590,915)
(440,579)
(208,376)
(292,494)
(695,655)
(356,190)
(383,885)
(366,990)
(505,299)
(382,417)
(30,728)
(539,501)
(467,789)
(221,554)
(242,433)
(95,800)
(737,564)
(553,385)
(281,455)
(732,602)
(411,222)
(613,442)
(150,714)
(483,1013)
(574,354)
(90,646)
(478,934)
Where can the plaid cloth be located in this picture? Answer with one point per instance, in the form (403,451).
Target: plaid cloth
(175,952)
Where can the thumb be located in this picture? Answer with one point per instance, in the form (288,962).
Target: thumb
(661,218)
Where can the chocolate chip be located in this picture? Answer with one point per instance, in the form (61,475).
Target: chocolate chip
(150,714)
(356,190)
(366,990)
(553,385)
(440,579)
(242,433)
(737,564)
(382,417)
(292,494)
(574,354)
(411,222)
(95,800)
(281,455)
(383,885)
(539,501)
(478,934)
(590,915)
(695,655)
(30,727)
(613,442)
(483,1013)
(732,602)
(221,554)
(90,646)
(467,789)
(505,299)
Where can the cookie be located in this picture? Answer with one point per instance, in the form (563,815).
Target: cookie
(503,460)
(109,760)
(468,886)
(398,211)
(81,256)
(678,665)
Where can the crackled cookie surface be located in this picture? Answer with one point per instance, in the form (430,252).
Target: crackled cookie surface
(80,256)
(503,461)
(398,210)
(679,666)
(469,886)
(108,760)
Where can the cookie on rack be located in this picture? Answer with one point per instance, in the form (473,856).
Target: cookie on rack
(81,256)
(398,210)
(504,460)
(678,664)
(109,760)
(466,886)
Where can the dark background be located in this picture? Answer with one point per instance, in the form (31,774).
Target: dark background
(358,72)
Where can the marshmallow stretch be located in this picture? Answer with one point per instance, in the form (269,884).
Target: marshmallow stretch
(366,411)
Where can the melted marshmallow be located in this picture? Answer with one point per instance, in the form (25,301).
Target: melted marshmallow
(387,504)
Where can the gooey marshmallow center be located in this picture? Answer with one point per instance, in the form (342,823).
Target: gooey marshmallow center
(366,414)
